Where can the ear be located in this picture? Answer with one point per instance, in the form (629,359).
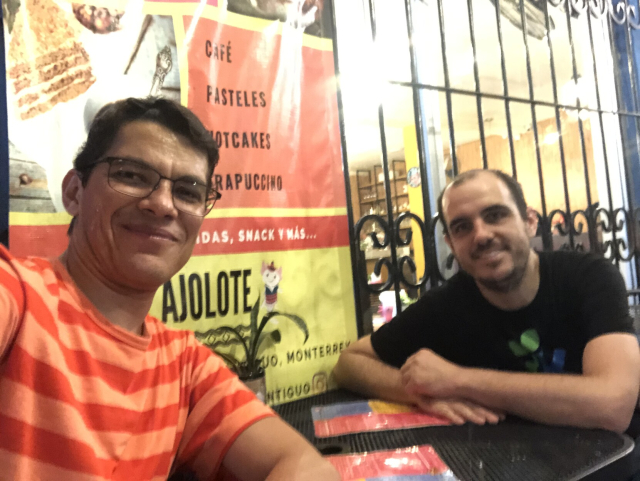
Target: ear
(72,192)
(531,222)
(280,272)
(262,269)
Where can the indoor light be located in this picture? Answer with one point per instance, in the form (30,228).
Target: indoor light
(551,138)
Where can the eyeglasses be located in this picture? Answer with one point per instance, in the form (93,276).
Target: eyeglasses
(136,179)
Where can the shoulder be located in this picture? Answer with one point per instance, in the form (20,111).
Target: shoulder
(572,259)
(580,267)
(18,273)
(453,290)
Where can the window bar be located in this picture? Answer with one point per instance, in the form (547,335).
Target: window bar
(540,103)
(505,87)
(428,241)
(554,83)
(604,144)
(630,62)
(630,189)
(476,75)
(353,244)
(585,162)
(447,90)
(547,241)
(628,168)
(387,183)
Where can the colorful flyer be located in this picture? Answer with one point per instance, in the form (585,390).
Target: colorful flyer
(374,415)
(417,463)
(260,75)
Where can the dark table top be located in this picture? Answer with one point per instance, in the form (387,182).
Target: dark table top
(514,450)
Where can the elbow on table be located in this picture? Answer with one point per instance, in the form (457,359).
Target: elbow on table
(616,416)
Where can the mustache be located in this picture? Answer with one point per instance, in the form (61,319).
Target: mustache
(482,248)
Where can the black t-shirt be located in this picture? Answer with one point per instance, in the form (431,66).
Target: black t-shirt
(580,297)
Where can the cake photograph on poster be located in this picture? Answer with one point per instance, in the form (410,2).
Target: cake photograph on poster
(64,62)
(308,15)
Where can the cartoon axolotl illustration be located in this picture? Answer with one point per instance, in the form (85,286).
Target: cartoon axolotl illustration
(271,277)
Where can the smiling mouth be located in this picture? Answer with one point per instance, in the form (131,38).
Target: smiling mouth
(151,233)
(488,255)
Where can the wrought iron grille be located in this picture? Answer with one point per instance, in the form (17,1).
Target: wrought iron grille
(608,226)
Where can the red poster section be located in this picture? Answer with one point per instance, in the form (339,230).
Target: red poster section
(272,110)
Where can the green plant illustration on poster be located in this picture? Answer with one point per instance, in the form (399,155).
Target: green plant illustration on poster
(247,365)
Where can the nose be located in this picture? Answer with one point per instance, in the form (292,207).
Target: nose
(160,200)
(482,232)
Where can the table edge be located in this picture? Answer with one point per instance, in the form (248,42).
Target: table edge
(628,447)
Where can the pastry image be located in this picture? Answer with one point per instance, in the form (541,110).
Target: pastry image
(301,14)
(98,19)
(46,62)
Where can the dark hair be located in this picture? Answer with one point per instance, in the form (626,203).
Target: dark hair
(171,115)
(512,184)
(167,113)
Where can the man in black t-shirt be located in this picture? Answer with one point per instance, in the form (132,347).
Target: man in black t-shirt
(543,336)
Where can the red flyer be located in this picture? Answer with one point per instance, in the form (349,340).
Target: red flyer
(417,463)
(373,415)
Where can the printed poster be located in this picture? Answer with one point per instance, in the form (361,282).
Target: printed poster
(260,75)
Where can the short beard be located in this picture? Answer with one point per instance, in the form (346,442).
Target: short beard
(509,283)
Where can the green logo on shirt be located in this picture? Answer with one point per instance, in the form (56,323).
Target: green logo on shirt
(528,344)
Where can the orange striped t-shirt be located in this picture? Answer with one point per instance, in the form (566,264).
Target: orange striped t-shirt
(83,399)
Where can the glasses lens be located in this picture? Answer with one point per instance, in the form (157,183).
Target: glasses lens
(212,197)
(138,180)
(190,197)
(132,178)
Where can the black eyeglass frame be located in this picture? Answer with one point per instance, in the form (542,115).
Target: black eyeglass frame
(212,195)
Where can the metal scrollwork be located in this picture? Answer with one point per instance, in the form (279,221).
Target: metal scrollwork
(620,13)
(434,227)
(602,220)
(407,260)
(376,244)
(562,227)
(579,6)
(613,233)
(579,229)
(633,17)
(619,242)
(598,8)
(620,8)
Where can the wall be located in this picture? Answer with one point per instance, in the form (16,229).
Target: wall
(469,157)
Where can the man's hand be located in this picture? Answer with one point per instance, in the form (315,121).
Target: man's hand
(427,374)
(459,411)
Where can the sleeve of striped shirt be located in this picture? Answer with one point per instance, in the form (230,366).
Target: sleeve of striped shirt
(220,408)
(11,305)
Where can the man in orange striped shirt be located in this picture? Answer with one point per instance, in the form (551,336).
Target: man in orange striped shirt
(91,386)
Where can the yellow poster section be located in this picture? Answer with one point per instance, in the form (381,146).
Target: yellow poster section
(416,205)
(316,285)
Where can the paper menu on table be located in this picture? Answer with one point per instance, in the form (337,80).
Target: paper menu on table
(373,415)
(417,463)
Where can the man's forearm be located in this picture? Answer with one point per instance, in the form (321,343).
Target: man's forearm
(370,377)
(560,399)
(306,466)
